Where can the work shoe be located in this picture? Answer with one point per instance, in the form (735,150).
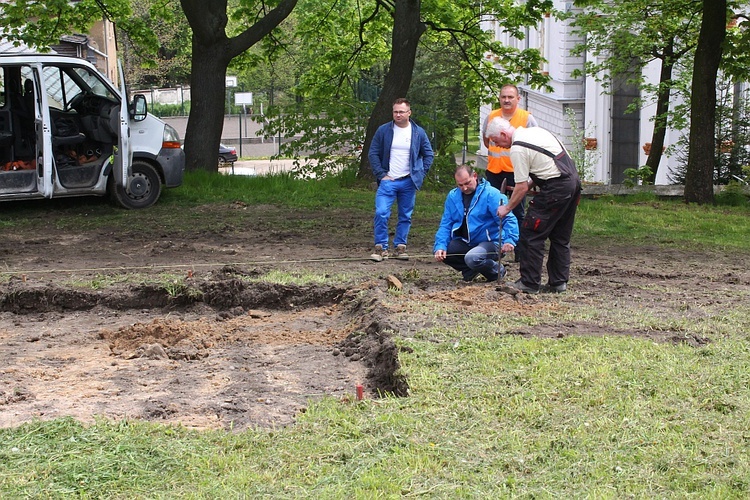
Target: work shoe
(554,288)
(400,252)
(518,285)
(379,254)
(468,276)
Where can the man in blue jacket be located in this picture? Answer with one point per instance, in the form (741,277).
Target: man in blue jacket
(470,231)
(400,157)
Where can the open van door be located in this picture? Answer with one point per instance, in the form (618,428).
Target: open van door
(123,157)
(44,160)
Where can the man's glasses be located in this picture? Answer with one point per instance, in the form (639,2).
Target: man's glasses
(401,112)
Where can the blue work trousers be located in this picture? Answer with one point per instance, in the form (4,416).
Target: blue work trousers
(402,191)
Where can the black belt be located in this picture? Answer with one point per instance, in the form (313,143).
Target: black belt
(404,177)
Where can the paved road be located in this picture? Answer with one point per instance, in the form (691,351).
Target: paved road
(258,167)
(250,144)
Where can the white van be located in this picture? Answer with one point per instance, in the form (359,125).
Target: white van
(66,130)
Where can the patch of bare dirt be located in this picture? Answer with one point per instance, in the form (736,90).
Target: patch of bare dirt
(227,352)
(196,366)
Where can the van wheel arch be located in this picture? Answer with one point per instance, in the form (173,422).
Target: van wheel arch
(145,187)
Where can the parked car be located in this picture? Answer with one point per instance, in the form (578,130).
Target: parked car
(227,156)
(65,130)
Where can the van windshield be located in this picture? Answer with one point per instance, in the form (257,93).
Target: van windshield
(65,83)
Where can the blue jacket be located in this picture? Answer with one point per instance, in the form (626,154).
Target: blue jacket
(483,221)
(420,159)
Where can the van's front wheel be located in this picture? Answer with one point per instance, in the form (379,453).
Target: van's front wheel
(144,187)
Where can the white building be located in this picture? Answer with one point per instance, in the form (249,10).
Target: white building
(620,137)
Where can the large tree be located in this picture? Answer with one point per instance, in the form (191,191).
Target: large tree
(212,52)
(699,179)
(407,29)
(461,22)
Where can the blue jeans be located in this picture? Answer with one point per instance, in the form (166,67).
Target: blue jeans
(480,259)
(402,191)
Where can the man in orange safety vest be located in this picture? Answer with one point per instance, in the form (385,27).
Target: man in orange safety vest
(499,166)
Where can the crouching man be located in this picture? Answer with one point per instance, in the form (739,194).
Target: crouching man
(470,235)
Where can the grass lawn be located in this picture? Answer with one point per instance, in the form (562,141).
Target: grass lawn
(488,416)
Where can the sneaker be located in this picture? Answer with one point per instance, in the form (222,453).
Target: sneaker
(518,285)
(554,288)
(379,254)
(400,252)
(502,272)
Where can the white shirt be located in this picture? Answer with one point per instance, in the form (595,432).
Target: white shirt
(528,161)
(400,151)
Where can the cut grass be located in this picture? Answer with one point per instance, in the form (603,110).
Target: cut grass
(596,417)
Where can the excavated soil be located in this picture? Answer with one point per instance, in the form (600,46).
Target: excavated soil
(224,348)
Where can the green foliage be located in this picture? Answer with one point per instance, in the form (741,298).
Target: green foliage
(637,176)
(40,24)
(442,174)
(731,133)
(625,36)
(734,194)
(158,109)
(330,134)
(165,60)
(339,76)
(735,54)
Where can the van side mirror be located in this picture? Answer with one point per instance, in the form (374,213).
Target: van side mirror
(138,108)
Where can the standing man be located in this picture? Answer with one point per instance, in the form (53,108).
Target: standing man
(499,165)
(539,158)
(469,232)
(400,157)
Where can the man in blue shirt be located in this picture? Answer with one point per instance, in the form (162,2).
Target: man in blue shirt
(471,235)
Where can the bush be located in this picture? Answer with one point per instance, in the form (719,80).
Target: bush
(733,195)
(161,110)
(441,175)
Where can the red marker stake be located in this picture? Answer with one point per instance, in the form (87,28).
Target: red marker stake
(360,392)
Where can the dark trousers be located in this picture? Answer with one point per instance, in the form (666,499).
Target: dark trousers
(496,181)
(551,214)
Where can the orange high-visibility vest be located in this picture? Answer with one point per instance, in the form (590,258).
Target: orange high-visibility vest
(498,159)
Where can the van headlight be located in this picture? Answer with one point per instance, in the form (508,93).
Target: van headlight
(171,138)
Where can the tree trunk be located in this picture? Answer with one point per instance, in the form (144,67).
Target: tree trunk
(662,108)
(206,121)
(212,53)
(734,157)
(407,29)
(699,178)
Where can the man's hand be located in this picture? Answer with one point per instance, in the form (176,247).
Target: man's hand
(503,210)
(507,248)
(440,255)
